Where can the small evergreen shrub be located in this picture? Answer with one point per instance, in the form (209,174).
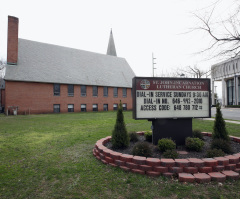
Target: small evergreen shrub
(170,154)
(148,136)
(224,145)
(120,137)
(197,134)
(142,149)
(133,137)
(211,153)
(165,144)
(194,144)
(219,128)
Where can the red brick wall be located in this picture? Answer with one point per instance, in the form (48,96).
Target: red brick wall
(12,46)
(38,97)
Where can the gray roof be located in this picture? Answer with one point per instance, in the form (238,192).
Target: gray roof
(41,62)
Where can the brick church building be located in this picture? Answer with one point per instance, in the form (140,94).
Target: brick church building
(46,78)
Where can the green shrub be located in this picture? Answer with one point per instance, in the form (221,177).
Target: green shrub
(148,136)
(165,144)
(170,154)
(219,128)
(224,145)
(197,134)
(142,149)
(194,144)
(211,153)
(120,137)
(133,136)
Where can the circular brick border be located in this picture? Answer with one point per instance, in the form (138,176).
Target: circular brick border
(188,170)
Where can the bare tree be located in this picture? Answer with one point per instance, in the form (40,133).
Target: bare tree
(192,71)
(2,67)
(187,72)
(167,74)
(224,33)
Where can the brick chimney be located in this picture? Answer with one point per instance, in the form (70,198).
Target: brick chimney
(12,45)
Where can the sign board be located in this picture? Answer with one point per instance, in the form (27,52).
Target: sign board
(156,98)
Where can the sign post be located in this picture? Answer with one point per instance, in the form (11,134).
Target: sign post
(171,103)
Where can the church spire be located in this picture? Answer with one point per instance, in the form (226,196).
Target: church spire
(111,46)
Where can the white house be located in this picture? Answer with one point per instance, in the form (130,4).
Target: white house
(228,72)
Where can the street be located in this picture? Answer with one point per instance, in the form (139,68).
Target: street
(228,113)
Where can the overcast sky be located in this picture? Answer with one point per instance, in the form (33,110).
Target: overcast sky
(139,27)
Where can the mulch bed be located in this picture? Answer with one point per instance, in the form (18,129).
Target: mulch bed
(190,154)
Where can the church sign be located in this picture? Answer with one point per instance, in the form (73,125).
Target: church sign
(156,98)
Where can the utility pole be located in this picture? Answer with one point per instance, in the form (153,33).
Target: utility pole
(153,64)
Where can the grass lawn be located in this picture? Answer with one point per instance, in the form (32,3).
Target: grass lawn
(50,156)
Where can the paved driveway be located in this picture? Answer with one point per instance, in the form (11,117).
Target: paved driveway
(228,113)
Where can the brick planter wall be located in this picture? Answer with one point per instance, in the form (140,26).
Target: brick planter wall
(188,170)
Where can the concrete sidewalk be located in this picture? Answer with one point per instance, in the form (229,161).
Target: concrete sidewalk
(229,121)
